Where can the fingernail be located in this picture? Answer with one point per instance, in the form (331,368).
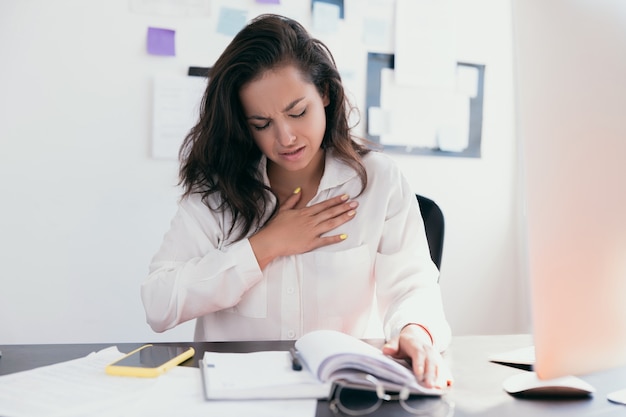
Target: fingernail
(351,213)
(343,236)
(345,197)
(297,190)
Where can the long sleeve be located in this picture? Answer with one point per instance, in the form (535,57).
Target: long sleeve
(406,278)
(192,274)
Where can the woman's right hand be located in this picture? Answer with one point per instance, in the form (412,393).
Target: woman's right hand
(299,230)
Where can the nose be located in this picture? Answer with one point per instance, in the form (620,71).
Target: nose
(284,134)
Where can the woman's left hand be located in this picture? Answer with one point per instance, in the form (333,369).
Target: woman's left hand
(415,345)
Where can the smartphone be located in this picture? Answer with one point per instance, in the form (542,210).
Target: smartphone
(150,361)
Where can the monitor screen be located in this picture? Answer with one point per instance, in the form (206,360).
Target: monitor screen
(570,64)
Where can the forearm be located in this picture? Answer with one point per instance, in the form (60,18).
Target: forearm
(175,292)
(423,308)
(265,248)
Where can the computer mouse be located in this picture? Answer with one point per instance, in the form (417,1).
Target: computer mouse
(527,384)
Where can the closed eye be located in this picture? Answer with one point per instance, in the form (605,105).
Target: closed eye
(295,116)
(266,125)
(261,127)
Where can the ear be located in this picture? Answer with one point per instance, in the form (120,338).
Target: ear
(326,100)
(326,97)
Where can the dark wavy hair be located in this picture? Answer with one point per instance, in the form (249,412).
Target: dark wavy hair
(219,154)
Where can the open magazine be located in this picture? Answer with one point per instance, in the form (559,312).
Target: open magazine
(328,356)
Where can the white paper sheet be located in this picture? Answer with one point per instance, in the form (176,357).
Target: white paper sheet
(325,18)
(258,375)
(424,117)
(181,389)
(82,388)
(467,80)
(414,113)
(174,8)
(453,131)
(176,104)
(425,43)
(379,26)
(74,388)
(377,121)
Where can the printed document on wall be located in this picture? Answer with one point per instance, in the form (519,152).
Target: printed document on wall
(425,43)
(379,26)
(413,113)
(176,105)
(172,8)
(436,118)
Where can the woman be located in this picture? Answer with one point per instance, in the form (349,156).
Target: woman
(288,224)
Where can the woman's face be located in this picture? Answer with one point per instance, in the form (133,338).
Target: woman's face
(286,117)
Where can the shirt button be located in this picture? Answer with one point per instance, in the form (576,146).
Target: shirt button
(290,290)
(291,334)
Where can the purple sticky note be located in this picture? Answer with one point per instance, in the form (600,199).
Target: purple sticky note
(268,1)
(161,42)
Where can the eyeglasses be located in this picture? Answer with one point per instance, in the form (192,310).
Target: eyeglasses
(366,394)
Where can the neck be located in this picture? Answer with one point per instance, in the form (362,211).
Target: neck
(284,182)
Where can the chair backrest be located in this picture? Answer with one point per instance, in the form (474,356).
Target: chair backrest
(434,224)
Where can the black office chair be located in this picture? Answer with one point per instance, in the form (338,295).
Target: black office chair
(434,224)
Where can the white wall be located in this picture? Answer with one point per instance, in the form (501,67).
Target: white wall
(84,207)
(480,273)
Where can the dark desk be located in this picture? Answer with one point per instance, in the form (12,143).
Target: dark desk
(477,390)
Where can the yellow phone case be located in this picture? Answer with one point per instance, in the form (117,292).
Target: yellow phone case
(113,369)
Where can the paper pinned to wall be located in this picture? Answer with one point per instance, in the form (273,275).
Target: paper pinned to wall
(425,43)
(377,35)
(338,3)
(174,8)
(422,117)
(467,80)
(379,26)
(413,112)
(453,132)
(161,41)
(377,121)
(326,18)
(231,21)
(176,105)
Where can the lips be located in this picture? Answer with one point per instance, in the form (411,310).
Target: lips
(291,155)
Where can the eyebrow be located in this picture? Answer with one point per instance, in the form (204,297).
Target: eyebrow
(287,108)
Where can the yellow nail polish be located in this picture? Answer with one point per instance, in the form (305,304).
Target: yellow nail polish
(297,190)
(345,197)
(343,236)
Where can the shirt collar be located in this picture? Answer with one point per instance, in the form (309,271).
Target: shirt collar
(336,172)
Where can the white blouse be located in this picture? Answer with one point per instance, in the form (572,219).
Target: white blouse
(382,273)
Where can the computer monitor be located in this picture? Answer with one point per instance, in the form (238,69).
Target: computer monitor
(570,63)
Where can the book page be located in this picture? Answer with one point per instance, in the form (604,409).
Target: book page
(332,355)
(317,346)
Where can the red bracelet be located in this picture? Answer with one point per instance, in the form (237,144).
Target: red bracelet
(432,341)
